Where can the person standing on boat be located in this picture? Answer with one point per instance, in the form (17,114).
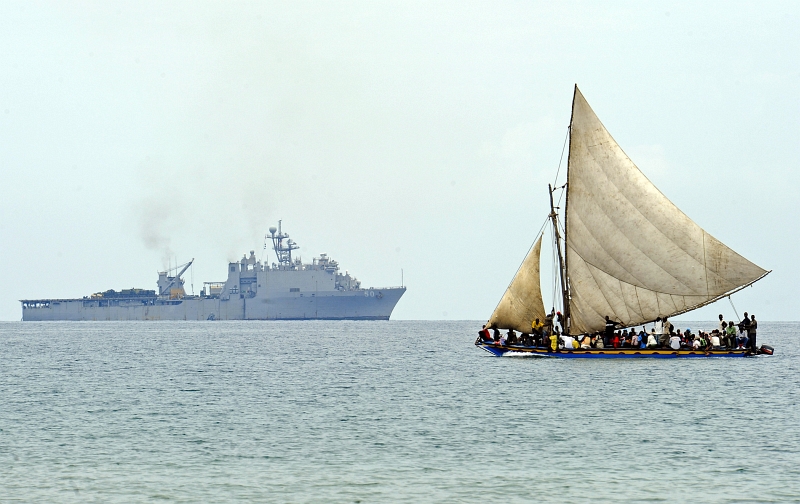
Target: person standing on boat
(744,323)
(723,334)
(548,323)
(751,332)
(609,333)
(743,329)
(663,340)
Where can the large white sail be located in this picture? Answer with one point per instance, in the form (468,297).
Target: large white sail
(522,302)
(631,253)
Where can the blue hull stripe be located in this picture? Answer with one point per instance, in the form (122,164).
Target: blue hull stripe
(499,351)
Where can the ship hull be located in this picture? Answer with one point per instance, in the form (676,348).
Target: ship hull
(367,304)
(609,353)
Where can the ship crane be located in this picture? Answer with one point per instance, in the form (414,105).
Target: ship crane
(164,289)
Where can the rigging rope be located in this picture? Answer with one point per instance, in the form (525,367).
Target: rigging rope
(555,182)
(734,308)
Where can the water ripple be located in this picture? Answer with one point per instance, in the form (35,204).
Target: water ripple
(382,411)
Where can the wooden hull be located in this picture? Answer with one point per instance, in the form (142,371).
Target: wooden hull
(608,353)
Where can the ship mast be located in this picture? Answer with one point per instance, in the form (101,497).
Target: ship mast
(283,252)
(561,268)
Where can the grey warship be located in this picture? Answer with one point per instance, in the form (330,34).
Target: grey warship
(285,290)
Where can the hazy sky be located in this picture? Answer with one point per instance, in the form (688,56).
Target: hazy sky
(389,135)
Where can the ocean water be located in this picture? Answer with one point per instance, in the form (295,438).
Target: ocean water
(382,412)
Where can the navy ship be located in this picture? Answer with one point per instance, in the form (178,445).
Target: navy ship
(285,290)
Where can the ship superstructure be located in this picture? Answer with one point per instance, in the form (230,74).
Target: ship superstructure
(287,289)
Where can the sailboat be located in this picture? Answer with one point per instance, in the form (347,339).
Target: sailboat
(624,251)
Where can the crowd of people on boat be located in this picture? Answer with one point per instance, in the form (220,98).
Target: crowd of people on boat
(662,335)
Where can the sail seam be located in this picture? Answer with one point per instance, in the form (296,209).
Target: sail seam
(658,303)
(600,245)
(615,143)
(674,313)
(621,232)
(622,295)
(638,301)
(608,141)
(716,298)
(632,285)
(656,228)
(613,311)
(582,304)
(644,254)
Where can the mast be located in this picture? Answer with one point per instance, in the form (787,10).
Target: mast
(283,252)
(565,279)
(561,269)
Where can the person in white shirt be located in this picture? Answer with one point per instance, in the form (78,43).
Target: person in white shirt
(652,341)
(715,343)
